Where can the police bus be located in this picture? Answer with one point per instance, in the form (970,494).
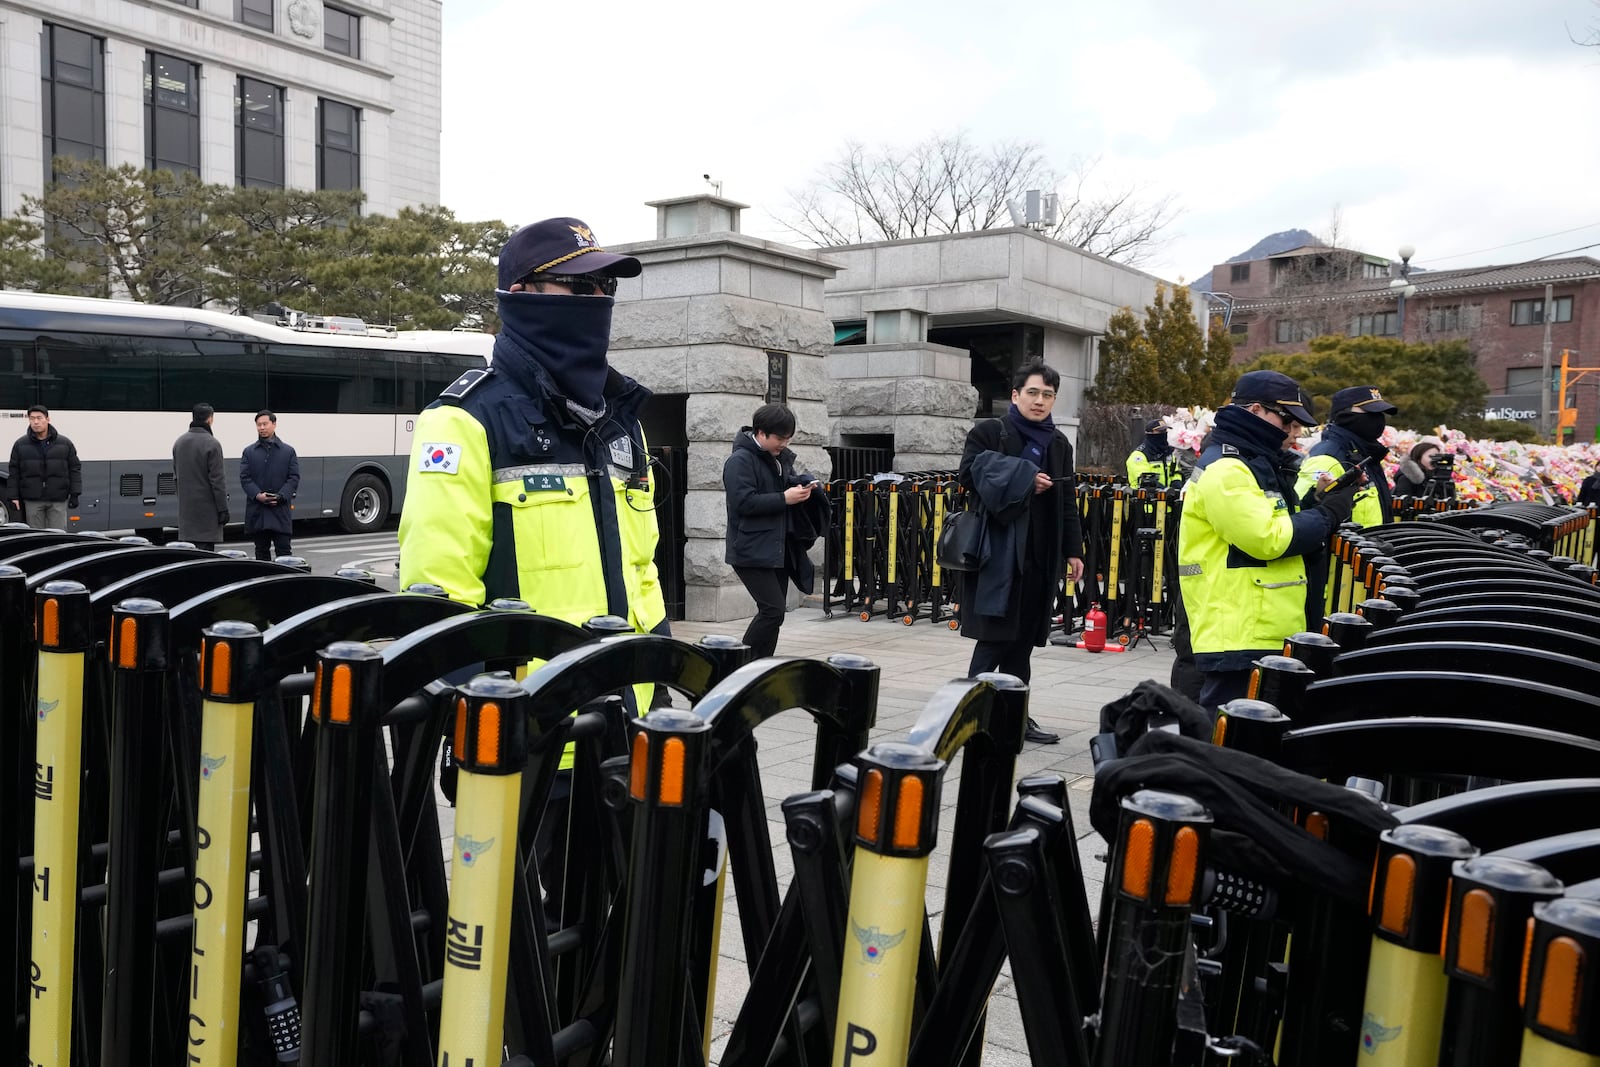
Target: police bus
(120,379)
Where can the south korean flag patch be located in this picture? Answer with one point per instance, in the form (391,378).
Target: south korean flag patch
(439,459)
(622,452)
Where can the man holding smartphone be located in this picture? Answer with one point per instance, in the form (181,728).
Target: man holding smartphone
(269,470)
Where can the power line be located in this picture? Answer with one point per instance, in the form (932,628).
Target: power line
(1513,244)
(1580,248)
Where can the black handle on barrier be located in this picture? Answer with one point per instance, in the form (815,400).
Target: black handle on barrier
(16,772)
(139,659)
(347,712)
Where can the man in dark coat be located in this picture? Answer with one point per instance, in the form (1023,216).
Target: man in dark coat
(761,489)
(270,474)
(1038,541)
(44,476)
(202,492)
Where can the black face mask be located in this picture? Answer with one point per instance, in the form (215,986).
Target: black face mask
(567,336)
(1366,425)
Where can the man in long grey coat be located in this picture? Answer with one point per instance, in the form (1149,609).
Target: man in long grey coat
(202,492)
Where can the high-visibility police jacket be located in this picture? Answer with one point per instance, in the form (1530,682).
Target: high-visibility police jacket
(1239,555)
(1165,469)
(1340,450)
(509,495)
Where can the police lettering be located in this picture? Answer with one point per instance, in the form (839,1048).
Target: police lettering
(41,882)
(468,955)
(858,1041)
(202,894)
(44,781)
(35,978)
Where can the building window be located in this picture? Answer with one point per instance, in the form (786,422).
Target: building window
(188,3)
(1444,319)
(74,68)
(1370,269)
(171,114)
(1239,272)
(1239,330)
(341,32)
(259,141)
(1378,324)
(257,13)
(338,145)
(1531,312)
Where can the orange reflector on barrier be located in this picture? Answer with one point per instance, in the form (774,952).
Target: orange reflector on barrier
(908,813)
(1219,732)
(50,623)
(1474,933)
(1399,886)
(672,758)
(1139,851)
(488,753)
(639,765)
(459,735)
(1183,870)
(1527,958)
(222,668)
(1317,825)
(1254,692)
(316,694)
(869,815)
(339,695)
(1562,985)
(128,643)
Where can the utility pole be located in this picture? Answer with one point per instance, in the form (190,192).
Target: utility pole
(1544,378)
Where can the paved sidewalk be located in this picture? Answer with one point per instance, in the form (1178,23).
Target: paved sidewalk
(1069,687)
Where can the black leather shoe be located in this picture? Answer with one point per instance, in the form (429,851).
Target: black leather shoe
(1039,735)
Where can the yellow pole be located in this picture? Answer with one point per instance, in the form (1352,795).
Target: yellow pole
(230,673)
(897,812)
(61,626)
(491,748)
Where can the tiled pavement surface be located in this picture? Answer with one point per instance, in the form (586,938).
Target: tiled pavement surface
(1069,687)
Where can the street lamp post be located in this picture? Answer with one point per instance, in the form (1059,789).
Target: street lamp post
(1402,286)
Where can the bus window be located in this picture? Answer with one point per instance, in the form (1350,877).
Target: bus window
(323,380)
(16,374)
(91,372)
(424,375)
(229,376)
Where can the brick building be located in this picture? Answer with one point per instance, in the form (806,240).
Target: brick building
(1278,303)
(264,93)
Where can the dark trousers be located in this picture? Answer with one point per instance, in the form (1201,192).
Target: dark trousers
(1219,687)
(269,542)
(766,585)
(1007,657)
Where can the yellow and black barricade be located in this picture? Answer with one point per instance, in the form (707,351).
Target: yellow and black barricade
(231,672)
(491,746)
(1561,985)
(61,622)
(17,770)
(1491,904)
(897,812)
(1403,1014)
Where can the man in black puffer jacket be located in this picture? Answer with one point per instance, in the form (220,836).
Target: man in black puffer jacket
(760,483)
(44,476)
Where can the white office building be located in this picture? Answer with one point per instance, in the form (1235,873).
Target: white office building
(271,93)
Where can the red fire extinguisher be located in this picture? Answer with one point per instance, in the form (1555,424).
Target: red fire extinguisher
(1094,631)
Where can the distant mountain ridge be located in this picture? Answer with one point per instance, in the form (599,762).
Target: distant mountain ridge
(1270,245)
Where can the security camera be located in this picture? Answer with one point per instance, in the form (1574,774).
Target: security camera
(707,177)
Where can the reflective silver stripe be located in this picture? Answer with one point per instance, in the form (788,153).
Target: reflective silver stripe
(536,470)
(1188,570)
(1280,585)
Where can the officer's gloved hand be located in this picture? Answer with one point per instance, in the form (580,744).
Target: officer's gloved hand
(72,501)
(1339,504)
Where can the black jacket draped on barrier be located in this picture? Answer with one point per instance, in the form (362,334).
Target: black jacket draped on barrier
(1034,543)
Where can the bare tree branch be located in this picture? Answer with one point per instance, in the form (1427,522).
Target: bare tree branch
(948,184)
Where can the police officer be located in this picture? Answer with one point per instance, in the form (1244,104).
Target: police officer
(1353,439)
(1243,535)
(1155,455)
(530,480)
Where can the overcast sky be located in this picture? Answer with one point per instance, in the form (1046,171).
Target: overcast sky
(1455,126)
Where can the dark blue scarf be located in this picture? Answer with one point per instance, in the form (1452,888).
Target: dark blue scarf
(1250,434)
(564,336)
(1035,435)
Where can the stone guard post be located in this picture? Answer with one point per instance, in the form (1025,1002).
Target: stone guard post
(714,315)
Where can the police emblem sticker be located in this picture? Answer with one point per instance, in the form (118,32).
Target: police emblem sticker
(439,459)
(622,451)
(1374,1033)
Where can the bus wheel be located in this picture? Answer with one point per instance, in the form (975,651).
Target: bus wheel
(365,504)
